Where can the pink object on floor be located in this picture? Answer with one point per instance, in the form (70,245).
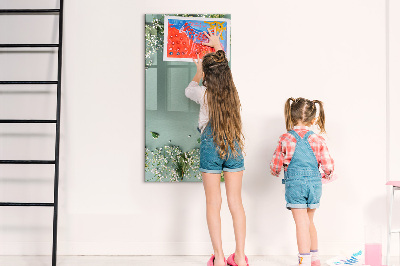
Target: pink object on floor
(373,254)
(333,178)
(393,183)
(211,261)
(231,260)
(316,263)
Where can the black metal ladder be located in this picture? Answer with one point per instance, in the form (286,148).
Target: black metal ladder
(57,82)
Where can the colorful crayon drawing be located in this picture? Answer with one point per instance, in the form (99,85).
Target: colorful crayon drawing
(183,37)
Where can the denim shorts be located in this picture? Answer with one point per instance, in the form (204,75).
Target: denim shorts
(303,193)
(211,161)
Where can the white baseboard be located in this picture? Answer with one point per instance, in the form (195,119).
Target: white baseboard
(158,248)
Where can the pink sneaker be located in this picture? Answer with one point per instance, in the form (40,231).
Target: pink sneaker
(316,263)
(231,260)
(211,261)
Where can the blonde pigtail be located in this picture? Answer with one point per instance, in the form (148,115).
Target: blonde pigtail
(321,116)
(288,114)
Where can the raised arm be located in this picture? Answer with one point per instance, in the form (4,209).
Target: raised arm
(213,41)
(199,73)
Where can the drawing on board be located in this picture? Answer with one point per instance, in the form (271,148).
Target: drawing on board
(183,37)
(172,140)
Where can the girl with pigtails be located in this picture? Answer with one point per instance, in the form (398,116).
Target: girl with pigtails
(302,153)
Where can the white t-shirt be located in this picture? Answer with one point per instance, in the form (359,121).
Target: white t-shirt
(196,93)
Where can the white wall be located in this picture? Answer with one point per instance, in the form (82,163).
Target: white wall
(393,109)
(333,51)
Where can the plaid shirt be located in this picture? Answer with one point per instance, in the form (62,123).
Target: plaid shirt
(287,144)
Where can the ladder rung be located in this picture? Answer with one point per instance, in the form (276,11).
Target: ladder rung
(26,121)
(395,231)
(29,82)
(36,45)
(32,11)
(27,161)
(39,204)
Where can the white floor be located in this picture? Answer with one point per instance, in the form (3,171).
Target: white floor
(144,260)
(136,260)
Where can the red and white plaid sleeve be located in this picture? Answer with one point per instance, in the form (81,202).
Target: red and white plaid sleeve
(283,153)
(325,160)
(277,159)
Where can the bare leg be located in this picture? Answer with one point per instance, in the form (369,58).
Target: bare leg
(233,184)
(212,189)
(302,230)
(313,230)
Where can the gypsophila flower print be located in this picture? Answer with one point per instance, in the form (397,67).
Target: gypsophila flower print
(171,164)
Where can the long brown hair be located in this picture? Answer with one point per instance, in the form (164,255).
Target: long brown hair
(303,110)
(223,104)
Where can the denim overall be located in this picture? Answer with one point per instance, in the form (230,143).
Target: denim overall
(303,186)
(210,160)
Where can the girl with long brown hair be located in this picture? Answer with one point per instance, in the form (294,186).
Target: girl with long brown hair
(220,148)
(301,153)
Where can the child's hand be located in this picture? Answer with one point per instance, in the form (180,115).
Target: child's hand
(199,67)
(213,39)
(198,64)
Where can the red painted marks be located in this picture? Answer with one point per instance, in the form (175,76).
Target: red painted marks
(181,46)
